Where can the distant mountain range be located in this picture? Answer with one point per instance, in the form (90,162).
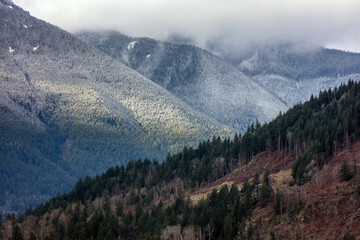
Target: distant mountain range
(72,106)
(294,71)
(223,86)
(204,81)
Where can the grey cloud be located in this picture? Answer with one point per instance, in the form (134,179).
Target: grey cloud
(236,22)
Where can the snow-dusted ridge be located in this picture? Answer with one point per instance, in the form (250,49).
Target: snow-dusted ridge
(106,113)
(294,73)
(204,81)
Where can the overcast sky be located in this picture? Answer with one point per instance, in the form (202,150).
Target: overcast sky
(329,23)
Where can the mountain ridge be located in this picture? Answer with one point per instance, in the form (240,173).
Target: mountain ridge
(201,79)
(295,71)
(92,111)
(252,186)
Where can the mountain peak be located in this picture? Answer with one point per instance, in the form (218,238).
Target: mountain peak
(204,81)
(55,88)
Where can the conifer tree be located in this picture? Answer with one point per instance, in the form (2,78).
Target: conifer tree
(345,173)
(265,190)
(16,234)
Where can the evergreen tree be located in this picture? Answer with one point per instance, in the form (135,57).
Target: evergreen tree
(345,172)
(32,236)
(119,209)
(16,233)
(349,236)
(278,203)
(265,190)
(272,236)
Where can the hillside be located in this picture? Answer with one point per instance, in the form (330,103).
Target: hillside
(295,71)
(206,82)
(68,110)
(296,178)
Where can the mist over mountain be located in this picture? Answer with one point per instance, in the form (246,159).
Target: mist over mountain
(68,110)
(292,70)
(203,80)
(297,61)
(235,120)
(236,24)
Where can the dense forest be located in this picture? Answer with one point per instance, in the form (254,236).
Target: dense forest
(67,111)
(144,200)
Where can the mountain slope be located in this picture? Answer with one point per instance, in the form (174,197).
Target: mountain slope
(246,188)
(68,110)
(295,71)
(202,80)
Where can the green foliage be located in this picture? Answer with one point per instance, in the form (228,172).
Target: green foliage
(249,232)
(265,189)
(312,131)
(23,151)
(324,125)
(349,236)
(218,216)
(119,210)
(299,171)
(272,236)
(16,233)
(278,205)
(300,131)
(32,236)
(41,162)
(358,184)
(345,172)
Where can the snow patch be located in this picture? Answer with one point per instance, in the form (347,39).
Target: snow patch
(149,55)
(249,63)
(25,26)
(10,7)
(11,50)
(131,45)
(35,48)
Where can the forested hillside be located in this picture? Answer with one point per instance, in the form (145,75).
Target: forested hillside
(154,200)
(68,110)
(204,81)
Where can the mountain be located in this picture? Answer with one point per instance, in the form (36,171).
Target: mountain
(202,80)
(68,110)
(295,177)
(295,71)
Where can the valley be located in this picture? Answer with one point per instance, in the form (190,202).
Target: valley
(244,188)
(110,136)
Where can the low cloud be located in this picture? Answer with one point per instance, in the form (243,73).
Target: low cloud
(234,23)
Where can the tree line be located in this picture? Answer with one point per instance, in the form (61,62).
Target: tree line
(310,131)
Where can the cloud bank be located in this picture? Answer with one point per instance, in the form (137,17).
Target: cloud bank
(235,23)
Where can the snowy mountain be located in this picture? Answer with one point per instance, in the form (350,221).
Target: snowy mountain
(294,71)
(203,80)
(67,110)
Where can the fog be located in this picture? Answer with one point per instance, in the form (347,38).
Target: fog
(233,23)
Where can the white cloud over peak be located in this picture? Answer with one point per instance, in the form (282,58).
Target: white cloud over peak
(236,22)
